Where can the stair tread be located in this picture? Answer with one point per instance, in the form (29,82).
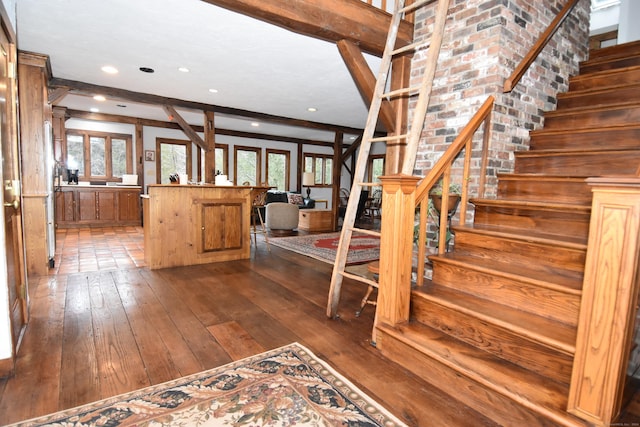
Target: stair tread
(591,108)
(552,333)
(531,235)
(545,132)
(524,386)
(562,279)
(597,90)
(573,152)
(535,204)
(540,177)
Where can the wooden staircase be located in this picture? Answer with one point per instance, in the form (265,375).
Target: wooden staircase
(496,325)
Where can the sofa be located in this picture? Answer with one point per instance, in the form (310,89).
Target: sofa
(289,197)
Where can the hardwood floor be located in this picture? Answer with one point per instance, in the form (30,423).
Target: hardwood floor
(102,325)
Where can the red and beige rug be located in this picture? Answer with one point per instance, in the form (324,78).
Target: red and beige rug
(289,386)
(363,248)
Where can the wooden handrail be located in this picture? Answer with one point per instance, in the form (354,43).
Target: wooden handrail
(526,62)
(442,169)
(454,149)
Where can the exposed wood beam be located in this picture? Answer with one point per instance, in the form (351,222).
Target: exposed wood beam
(88,89)
(78,114)
(330,20)
(365,80)
(57,94)
(186,128)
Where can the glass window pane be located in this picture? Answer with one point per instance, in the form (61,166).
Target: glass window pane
(97,147)
(318,171)
(246,168)
(308,164)
(75,153)
(328,171)
(118,157)
(277,168)
(173,159)
(377,169)
(220,161)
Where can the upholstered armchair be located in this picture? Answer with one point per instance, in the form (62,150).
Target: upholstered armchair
(282,216)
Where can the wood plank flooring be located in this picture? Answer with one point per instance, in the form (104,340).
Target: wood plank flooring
(102,324)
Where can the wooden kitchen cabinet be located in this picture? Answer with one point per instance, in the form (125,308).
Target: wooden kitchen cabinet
(97,206)
(219,225)
(129,205)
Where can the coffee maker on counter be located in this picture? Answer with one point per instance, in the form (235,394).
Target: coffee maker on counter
(72,176)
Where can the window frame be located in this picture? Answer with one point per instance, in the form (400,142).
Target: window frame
(225,159)
(314,158)
(171,141)
(86,153)
(258,152)
(372,158)
(287,166)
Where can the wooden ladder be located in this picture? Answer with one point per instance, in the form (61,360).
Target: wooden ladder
(423,92)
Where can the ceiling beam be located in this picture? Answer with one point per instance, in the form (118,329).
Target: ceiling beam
(88,89)
(330,20)
(365,81)
(104,117)
(186,128)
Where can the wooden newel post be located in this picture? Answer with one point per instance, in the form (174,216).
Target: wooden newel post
(609,298)
(396,247)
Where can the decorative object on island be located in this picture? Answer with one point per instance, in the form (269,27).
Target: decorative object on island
(308,179)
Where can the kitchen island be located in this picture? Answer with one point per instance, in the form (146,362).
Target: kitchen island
(196,224)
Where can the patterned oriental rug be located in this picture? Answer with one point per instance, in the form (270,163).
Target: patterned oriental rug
(363,248)
(282,387)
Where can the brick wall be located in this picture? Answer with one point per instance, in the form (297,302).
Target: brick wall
(484,41)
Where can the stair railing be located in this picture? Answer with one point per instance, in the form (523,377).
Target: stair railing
(442,170)
(544,38)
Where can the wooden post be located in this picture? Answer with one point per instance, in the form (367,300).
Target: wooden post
(396,248)
(208,175)
(609,297)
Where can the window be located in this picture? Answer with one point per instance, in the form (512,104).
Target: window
(247,163)
(172,156)
(222,158)
(322,167)
(375,168)
(99,155)
(278,169)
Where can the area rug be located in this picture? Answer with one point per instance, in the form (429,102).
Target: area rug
(282,387)
(363,248)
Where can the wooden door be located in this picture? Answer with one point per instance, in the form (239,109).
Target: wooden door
(16,278)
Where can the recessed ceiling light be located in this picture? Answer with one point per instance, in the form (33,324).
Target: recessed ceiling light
(183,69)
(255,124)
(94,110)
(213,90)
(147,70)
(99,98)
(312,109)
(109,69)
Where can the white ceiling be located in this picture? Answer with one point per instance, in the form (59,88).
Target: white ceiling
(254,66)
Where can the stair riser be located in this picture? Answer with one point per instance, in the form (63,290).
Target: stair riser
(609,97)
(543,302)
(594,67)
(520,252)
(616,51)
(595,81)
(498,341)
(579,164)
(622,139)
(557,191)
(592,118)
(561,223)
(443,375)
